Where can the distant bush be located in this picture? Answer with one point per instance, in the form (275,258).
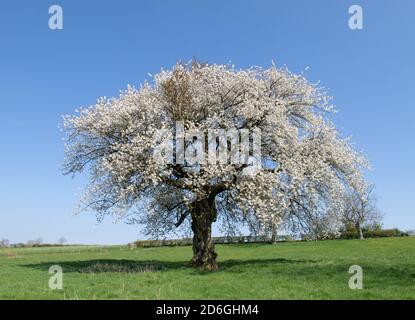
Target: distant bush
(215,240)
(350,234)
(162,243)
(35,245)
(373,234)
(41,245)
(18,245)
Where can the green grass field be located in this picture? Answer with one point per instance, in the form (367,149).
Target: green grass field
(292,270)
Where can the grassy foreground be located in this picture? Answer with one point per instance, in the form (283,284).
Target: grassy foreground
(295,270)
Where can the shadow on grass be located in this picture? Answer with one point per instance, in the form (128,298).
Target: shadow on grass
(110,265)
(141,266)
(377,275)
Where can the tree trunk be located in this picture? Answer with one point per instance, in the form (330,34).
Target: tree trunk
(274,234)
(359,231)
(203,214)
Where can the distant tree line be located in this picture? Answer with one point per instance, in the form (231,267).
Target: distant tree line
(38,242)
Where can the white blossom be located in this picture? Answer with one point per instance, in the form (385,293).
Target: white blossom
(306,164)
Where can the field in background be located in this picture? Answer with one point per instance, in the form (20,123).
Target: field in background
(291,270)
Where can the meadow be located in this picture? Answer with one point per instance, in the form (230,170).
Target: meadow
(289,270)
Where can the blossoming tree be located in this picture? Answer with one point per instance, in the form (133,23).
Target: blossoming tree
(360,209)
(305,165)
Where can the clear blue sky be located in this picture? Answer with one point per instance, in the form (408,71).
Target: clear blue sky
(106,45)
